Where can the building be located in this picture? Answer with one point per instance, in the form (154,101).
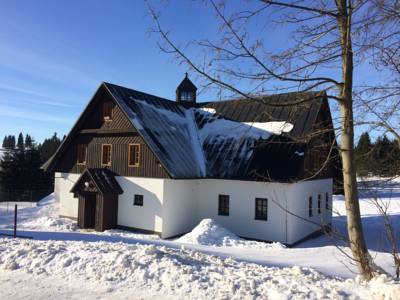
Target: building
(260,167)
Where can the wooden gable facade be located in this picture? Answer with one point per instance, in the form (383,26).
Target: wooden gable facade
(94,130)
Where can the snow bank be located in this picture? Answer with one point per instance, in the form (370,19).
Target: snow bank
(182,273)
(209,232)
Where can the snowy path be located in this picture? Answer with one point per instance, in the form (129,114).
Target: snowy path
(118,264)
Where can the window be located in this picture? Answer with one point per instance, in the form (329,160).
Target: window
(319,203)
(107,111)
(134,155)
(261,209)
(106,155)
(310,212)
(223,205)
(326,201)
(82,154)
(186,96)
(138,200)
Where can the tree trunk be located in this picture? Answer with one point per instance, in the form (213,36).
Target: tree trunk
(354,226)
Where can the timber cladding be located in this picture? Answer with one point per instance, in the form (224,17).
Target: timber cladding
(148,164)
(119,134)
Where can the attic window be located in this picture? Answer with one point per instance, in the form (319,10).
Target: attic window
(106,155)
(107,111)
(82,151)
(186,96)
(134,155)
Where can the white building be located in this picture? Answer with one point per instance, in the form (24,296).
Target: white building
(140,162)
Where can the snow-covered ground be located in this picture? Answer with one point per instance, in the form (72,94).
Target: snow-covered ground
(63,261)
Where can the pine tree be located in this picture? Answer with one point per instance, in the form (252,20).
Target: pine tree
(12,142)
(363,154)
(20,143)
(28,141)
(5,142)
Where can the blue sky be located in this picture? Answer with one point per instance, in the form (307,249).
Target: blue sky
(54,54)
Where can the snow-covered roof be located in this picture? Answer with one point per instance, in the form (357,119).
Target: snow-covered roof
(195,142)
(216,139)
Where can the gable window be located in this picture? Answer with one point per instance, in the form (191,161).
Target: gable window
(310,212)
(138,200)
(186,96)
(261,209)
(107,111)
(223,205)
(319,203)
(82,152)
(134,155)
(106,155)
(326,201)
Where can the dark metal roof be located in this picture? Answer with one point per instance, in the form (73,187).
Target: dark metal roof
(198,143)
(103,179)
(274,108)
(186,85)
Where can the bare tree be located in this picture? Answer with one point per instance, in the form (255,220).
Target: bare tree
(328,38)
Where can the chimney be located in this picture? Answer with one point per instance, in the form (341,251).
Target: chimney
(186,92)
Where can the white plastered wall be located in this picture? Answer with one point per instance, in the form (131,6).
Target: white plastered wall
(63,183)
(300,224)
(148,216)
(174,207)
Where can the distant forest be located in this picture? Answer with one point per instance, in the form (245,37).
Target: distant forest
(20,175)
(379,158)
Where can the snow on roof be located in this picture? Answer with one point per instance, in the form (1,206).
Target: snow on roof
(193,142)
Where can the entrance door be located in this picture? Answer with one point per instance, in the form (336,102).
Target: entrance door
(90,210)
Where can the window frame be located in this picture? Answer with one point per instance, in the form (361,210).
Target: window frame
(319,204)
(139,198)
(310,206)
(107,108)
(223,205)
(102,155)
(78,162)
(138,156)
(257,216)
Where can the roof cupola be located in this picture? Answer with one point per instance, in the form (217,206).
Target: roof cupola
(186,91)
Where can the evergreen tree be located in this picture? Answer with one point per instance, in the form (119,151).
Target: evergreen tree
(49,147)
(28,141)
(5,142)
(12,142)
(363,154)
(20,143)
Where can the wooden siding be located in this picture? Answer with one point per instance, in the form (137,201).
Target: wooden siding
(119,133)
(318,149)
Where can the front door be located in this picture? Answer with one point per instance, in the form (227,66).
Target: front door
(87,210)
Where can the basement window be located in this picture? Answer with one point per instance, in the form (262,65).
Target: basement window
(138,200)
(107,111)
(261,209)
(319,203)
(106,154)
(310,212)
(134,155)
(223,205)
(82,152)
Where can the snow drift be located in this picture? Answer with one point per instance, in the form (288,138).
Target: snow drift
(209,232)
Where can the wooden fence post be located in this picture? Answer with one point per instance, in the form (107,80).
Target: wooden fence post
(15,220)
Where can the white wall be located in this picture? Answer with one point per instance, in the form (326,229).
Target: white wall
(148,216)
(241,219)
(299,225)
(179,207)
(63,183)
(174,207)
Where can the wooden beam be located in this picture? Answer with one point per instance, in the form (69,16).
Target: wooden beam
(105,131)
